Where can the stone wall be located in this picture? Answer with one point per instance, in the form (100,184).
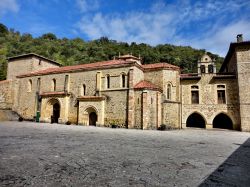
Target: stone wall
(6,96)
(138,109)
(156,77)
(208,106)
(151,107)
(25,98)
(171,114)
(243,69)
(27,65)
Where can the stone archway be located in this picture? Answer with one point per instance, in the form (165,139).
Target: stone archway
(196,120)
(90,116)
(52,110)
(222,121)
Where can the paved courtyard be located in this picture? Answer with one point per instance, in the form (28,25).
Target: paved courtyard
(39,154)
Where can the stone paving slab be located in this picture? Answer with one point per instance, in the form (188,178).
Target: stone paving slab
(39,154)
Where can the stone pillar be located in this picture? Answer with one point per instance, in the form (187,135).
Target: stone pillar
(209,126)
(66,84)
(158,110)
(98,81)
(144,110)
(131,100)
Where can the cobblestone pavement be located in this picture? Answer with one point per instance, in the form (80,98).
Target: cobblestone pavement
(40,154)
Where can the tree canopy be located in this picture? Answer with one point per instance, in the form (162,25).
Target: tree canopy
(77,51)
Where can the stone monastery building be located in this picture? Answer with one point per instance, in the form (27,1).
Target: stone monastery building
(129,94)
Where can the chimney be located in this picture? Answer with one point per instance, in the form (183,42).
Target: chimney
(239,38)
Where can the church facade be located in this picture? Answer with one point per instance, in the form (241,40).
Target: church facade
(128,94)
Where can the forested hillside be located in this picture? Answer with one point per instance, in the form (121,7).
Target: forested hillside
(77,51)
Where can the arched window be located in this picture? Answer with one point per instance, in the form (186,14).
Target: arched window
(123,80)
(54,85)
(83,89)
(195,94)
(169,92)
(221,94)
(38,84)
(29,85)
(108,81)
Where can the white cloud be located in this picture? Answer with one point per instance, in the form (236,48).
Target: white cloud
(87,5)
(8,5)
(200,25)
(218,41)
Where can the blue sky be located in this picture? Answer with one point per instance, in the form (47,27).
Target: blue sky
(203,24)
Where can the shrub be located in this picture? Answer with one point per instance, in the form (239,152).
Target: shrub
(163,127)
(68,123)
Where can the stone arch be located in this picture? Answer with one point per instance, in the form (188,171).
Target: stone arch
(196,120)
(29,85)
(169,91)
(53,110)
(222,121)
(90,116)
(53,85)
(107,81)
(123,80)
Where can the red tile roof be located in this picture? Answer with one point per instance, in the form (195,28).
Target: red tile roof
(81,67)
(100,65)
(146,85)
(162,65)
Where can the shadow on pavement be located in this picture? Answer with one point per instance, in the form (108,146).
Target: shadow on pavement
(235,171)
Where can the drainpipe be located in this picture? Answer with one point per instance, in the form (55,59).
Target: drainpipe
(77,113)
(180,109)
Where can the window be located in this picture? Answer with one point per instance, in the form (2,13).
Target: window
(83,89)
(195,94)
(221,94)
(210,68)
(29,85)
(108,81)
(38,84)
(123,81)
(169,92)
(54,85)
(203,69)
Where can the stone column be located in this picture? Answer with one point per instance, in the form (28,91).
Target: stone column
(158,110)
(131,100)
(98,81)
(144,109)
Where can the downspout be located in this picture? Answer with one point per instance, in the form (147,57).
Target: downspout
(180,109)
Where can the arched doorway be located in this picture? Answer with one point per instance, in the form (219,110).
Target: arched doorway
(56,112)
(89,116)
(222,121)
(92,119)
(51,112)
(196,120)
